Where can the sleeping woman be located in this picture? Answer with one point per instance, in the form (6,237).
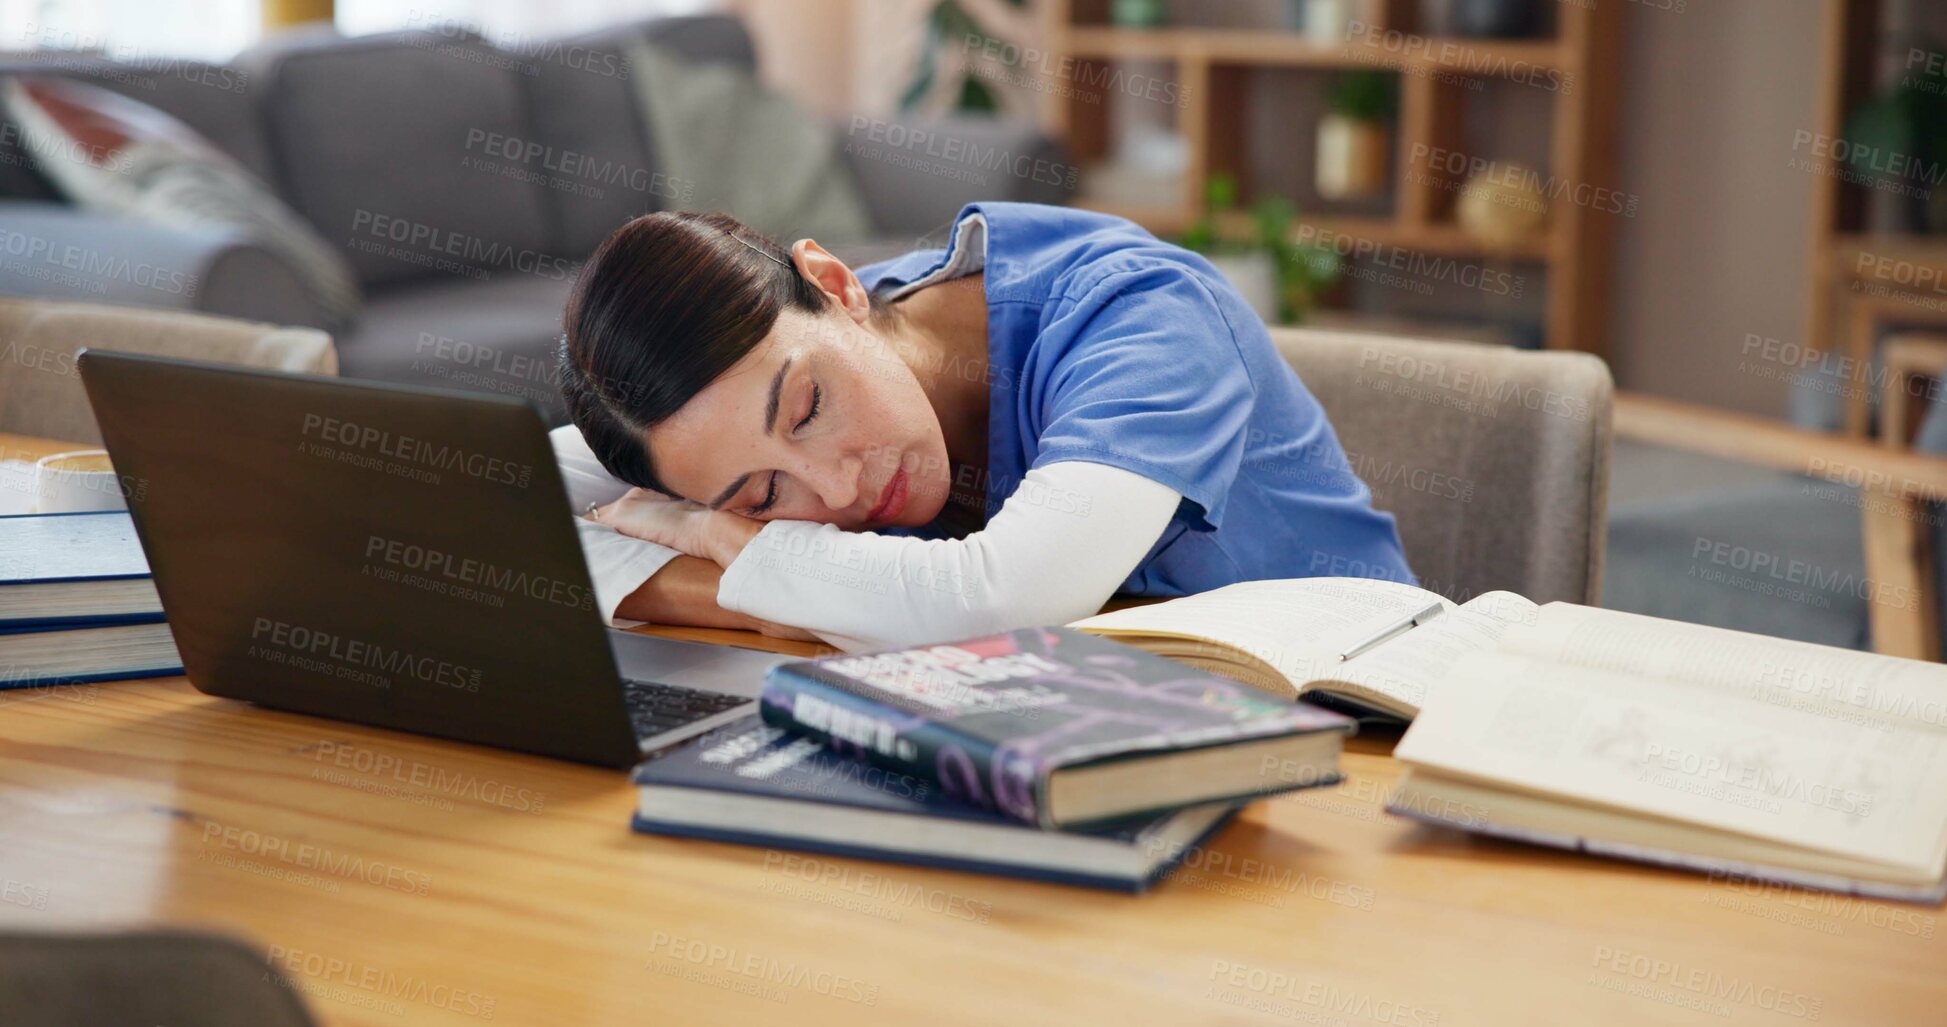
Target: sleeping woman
(1054,408)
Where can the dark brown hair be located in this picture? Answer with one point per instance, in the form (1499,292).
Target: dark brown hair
(667,303)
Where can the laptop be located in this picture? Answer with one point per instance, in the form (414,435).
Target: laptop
(390,555)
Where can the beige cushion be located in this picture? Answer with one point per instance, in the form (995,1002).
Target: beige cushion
(1494,460)
(40,386)
(110,153)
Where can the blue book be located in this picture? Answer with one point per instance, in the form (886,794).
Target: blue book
(1056,727)
(60,570)
(31,657)
(754,784)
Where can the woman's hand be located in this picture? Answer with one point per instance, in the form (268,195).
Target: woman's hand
(689,528)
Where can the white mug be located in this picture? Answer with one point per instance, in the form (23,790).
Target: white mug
(75,482)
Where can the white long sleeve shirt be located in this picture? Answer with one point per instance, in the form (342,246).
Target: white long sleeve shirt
(1060,544)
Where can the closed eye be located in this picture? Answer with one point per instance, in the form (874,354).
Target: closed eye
(770,496)
(817,397)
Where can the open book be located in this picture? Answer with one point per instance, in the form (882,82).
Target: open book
(1612,733)
(1714,750)
(1286,637)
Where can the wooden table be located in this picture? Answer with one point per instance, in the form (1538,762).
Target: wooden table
(400,879)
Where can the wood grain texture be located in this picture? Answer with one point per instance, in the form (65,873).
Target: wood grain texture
(399,879)
(403,879)
(1766,442)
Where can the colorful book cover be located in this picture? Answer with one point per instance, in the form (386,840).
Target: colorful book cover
(989,719)
(917,822)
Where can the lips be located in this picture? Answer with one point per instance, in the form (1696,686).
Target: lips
(892,500)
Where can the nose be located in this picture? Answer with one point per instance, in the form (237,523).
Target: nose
(836,481)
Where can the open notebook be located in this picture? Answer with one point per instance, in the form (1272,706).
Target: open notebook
(1697,747)
(1286,636)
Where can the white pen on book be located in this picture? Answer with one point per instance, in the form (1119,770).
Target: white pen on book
(1394,630)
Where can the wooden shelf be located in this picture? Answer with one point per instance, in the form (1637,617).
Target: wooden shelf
(1439,239)
(1841,317)
(1488,58)
(1923,252)
(1216,71)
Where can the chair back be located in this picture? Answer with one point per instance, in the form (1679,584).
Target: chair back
(40,383)
(143,977)
(1495,461)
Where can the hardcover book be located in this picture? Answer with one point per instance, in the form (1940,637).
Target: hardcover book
(1053,727)
(66,569)
(754,784)
(1691,746)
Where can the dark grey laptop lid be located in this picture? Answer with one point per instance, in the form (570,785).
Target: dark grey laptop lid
(386,554)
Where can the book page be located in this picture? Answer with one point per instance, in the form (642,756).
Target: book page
(1292,624)
(1840,684)
(1703,756)
(1405,667)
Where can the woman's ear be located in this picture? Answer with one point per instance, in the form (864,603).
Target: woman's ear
(832,278)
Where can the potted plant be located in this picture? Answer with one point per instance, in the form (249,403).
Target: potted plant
(1355,137)
(1280,280)
(943,66)
(1892,142)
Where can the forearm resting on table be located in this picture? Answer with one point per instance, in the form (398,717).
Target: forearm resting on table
(1057,549)
(684,592)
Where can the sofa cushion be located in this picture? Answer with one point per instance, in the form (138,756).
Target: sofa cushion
(704,38)
(497,336)
(587,146)
(745,150)
(215,100)
(382,143)
(112,153)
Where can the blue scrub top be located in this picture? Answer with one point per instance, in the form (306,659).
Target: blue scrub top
(1108,345)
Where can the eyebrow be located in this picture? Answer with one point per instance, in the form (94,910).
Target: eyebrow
(777,384)
(770,427)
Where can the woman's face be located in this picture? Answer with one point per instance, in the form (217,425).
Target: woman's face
(821,421)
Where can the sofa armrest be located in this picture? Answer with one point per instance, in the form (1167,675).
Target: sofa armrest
(52,251)
(916,173)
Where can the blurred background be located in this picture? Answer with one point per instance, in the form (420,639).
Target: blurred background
(1735,203)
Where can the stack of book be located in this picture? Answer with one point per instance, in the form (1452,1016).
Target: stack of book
(1043,752)
(77,603)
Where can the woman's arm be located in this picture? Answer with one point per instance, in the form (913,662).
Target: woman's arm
(1060,545)
(634,579)
(685,592)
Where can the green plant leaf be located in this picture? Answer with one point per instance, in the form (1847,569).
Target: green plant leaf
(1364,95)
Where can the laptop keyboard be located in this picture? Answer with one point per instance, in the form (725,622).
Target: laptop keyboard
(655,707)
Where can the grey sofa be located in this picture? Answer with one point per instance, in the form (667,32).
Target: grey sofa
(396,148)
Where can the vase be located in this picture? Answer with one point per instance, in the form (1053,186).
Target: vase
(1323,22)
(1351,161)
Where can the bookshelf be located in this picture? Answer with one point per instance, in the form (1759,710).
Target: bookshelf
(1214,68)
(1862,280)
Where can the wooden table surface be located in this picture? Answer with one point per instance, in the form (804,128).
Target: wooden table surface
(399,879)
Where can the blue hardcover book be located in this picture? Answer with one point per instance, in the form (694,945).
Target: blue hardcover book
(31,657)
(755,784)
(1054,727)
(70,569)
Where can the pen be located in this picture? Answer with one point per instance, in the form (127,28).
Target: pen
(1405,623)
